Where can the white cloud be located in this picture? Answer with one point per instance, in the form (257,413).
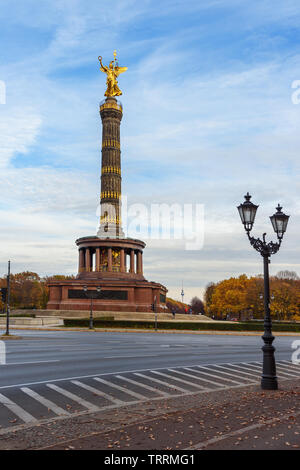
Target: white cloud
(193,130)
(19,129)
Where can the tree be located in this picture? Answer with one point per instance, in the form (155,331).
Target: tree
(229,297)
(210,288)
(197,306)
(241,297)
(26,290)
(175,305)
(255,289)
(285,298)
(290,275)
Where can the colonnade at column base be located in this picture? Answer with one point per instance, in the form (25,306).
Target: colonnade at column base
(110,257)
(115,266)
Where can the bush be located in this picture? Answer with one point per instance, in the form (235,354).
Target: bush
(163,325)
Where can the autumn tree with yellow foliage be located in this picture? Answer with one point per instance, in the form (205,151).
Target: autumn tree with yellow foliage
(28,290)
(242,297)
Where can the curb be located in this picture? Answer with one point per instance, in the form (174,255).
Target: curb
(133,330)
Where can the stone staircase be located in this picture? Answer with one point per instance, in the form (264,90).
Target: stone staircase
(61,314)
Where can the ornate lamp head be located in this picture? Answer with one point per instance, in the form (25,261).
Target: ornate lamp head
(247,212)
(279,221)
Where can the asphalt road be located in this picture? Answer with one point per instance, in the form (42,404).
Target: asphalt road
(49,355)
(52,375)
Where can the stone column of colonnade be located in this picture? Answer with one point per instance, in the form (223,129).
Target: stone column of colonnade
(139,262)
(81,261)
(122,260)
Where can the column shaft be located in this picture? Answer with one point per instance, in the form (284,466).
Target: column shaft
(81,260)
(109,260)
(132,261)
(97,259)
(87,260)
(139,262)
(122,260)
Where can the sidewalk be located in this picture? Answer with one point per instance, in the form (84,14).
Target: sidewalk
(245,418)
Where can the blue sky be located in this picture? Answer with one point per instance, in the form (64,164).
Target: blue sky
(208,116)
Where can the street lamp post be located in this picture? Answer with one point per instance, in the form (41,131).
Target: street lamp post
(8,301)
(92,295)
(279,220)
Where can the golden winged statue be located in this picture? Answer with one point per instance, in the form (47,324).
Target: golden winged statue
(112,72)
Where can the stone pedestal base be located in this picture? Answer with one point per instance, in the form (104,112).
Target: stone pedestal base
(122,295)
(116,266)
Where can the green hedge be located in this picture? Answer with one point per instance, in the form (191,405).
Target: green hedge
(163,325)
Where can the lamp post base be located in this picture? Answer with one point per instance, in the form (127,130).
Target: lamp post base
(269,383)
(269,378)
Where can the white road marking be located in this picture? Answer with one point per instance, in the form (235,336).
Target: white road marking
(254,372)
(98,392)
(192,376)
(122,389)
(73,397)
(48,403)
(280,371)
(187,382)
(278,366)
(140,384)
(166,384)
(257,368)
(63,379)
(291,365)
(30,362)
(121,357)
(206,380)
(235,373)
(17,410)
(286,367)
(217,376)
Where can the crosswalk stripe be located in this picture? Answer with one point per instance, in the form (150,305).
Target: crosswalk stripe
(234,373)
(17,410)
(73,397)
(204,379)
(122,389)
(48,403)
(98,392)
(217,376)
(181,380)
(166,384)
(147,387)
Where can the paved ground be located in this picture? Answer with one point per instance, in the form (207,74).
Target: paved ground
(240,418)
(193,390)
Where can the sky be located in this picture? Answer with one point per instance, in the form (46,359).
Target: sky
(208,114)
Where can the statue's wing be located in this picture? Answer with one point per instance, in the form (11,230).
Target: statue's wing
(119,70)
